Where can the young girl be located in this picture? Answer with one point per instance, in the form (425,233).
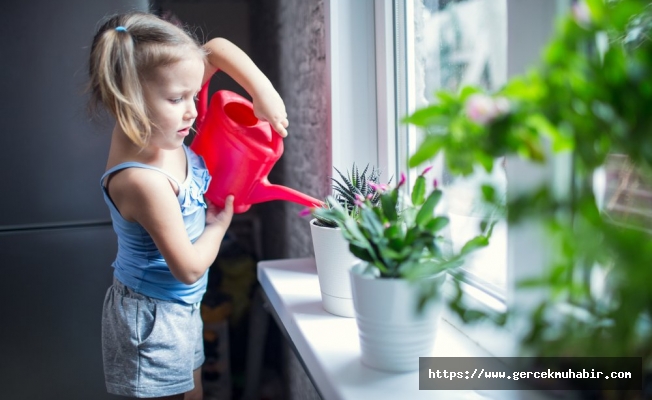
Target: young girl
(146,72)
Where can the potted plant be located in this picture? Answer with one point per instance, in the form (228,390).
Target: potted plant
(397,284)
(332,256)
(589,97)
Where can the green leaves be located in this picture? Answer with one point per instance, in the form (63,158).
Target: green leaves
(436,224)
(400,240)
(476,243)
(425,214)
(427,116)
(356,185)
(389,206)
(588,97)
(430,146)
(419,191)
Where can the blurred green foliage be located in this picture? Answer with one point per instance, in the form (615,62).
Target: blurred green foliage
(589,96)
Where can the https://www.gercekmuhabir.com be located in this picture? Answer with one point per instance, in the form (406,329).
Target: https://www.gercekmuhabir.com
(518,373)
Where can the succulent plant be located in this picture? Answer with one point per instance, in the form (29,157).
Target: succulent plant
(400,241)
(351,190)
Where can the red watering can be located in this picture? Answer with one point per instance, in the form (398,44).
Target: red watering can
(240,151)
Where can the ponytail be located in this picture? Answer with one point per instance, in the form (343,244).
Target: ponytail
(125,50)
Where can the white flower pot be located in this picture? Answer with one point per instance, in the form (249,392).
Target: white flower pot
(333,260)
(392,334)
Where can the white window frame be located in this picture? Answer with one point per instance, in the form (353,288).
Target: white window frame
(351,77)
(362,76)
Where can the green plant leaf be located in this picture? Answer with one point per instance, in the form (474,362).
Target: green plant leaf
(429,148)
(419,191)
(474,244)
(488,193)
(467,91)
(361,253)
(427,210)
(388,205)
(426,116)
(371,222)
(436,224)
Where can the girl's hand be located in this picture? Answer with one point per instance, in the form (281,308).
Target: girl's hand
(222,217)
(268,106)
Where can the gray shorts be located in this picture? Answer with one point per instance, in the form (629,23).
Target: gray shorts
(150,347)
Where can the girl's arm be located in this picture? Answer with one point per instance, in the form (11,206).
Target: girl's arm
(227,57)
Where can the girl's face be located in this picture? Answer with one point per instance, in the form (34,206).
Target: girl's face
(170,97)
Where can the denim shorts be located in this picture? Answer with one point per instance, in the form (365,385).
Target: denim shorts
(150,347)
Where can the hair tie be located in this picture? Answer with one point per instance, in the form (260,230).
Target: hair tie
(120,29)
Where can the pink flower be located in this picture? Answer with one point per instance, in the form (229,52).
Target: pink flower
(581,13)
(377,187)
(483,109)
(305,212)
(370,196)
(401,182)
(479,108)
(435,183)
(359,200)
(425,171)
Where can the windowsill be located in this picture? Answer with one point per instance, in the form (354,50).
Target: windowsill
(328,346)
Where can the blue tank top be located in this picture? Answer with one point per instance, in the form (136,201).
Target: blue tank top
(139,265)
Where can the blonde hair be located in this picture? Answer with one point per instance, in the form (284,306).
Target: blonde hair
(122,58)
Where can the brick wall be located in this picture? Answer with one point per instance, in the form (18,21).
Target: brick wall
(288,44)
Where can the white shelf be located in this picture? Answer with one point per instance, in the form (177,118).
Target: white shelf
(329,349)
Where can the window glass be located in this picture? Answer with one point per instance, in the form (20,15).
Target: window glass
(625,192)
(450,43)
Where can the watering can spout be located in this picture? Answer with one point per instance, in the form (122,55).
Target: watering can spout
(265,191)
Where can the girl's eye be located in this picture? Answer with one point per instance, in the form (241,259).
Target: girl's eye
(177,100)
(196,97)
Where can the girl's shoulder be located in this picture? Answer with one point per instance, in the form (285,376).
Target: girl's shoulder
(138,168)
(133,189)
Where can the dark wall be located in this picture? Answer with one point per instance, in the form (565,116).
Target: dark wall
(210,19)
(51,294)
(56,241)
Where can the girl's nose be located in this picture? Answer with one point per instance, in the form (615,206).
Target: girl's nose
(191,111)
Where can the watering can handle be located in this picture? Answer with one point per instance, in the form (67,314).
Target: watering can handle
(202,105)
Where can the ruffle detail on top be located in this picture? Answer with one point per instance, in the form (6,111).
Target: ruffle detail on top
(194,197)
